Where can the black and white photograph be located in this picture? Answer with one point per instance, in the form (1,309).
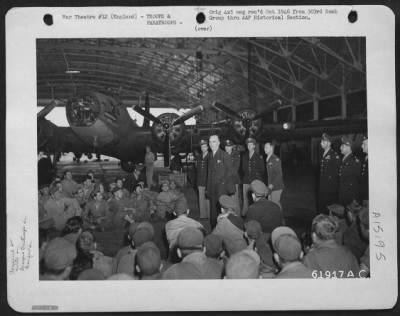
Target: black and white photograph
(209,163)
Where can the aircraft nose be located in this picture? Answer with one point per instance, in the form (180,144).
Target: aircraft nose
(82,110)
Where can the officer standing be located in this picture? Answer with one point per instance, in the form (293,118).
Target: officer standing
(328,177)
(349,174)
(219,177)
(274,171)
(253,169)
(364,194)
(201,179)
(235,159)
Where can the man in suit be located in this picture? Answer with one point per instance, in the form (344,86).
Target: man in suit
(349,174)
(274,171)
(219,177)
(253,169)
(201,179)
(328,177)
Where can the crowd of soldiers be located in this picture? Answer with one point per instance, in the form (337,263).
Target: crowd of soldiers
(247,239)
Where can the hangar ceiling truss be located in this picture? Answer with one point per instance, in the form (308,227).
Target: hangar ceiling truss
(183,72)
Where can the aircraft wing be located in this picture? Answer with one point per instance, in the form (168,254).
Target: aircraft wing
(52,138)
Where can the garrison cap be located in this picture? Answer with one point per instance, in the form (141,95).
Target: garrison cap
(203,142)
(190,238)
(286,243)
(251,140)
(259,188)
(115,189)
(228,202)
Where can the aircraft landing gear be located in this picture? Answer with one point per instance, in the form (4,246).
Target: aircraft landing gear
(77,157)
(127,166)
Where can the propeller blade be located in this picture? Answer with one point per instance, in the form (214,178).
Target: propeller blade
(225,109)
(167,150)
(146,114)
(272,106)
(222,123)
(48,108)
(188,115)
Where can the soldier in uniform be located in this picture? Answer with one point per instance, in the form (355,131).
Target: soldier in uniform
(328,177)
(364,194)
(219,177)
(274,171)
(235,158)
(253,169)
(349,174)
(201,179)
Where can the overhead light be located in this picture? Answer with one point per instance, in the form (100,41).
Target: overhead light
(72,71)
(287,126)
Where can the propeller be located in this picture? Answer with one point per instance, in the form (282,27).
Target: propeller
(225,109)
(146,114)
(221,123)
(246,122)
(167,126)
(48,108)
(188,115)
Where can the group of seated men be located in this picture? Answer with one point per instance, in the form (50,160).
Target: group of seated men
(162,241)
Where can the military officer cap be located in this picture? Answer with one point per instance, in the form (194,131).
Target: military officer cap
(251,140)
(259,188)
(326,137)
(347,141)
(140,166)
(229,143)
(203,142)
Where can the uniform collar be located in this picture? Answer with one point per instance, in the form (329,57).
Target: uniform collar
(326,152)
(348,156)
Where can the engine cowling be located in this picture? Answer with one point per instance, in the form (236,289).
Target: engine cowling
(247,122)
(175,132)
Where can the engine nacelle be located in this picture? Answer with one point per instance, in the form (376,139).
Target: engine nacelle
(83,110)
(175,132)
(247,122)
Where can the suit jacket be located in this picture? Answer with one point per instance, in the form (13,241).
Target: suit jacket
(274,169)
(253,168)
(329,169)
(219,175)
(349,178)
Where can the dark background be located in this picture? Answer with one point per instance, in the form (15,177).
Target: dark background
(8,4)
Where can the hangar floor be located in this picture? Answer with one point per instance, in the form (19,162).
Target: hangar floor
(298,198)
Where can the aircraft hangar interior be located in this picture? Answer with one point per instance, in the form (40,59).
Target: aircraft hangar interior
(277,137)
